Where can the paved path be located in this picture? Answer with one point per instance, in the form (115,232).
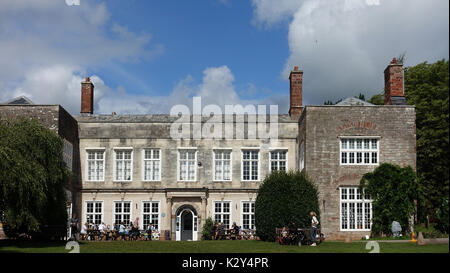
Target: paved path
(433,241)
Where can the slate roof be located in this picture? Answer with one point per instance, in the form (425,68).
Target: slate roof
(353,101)
(19,100)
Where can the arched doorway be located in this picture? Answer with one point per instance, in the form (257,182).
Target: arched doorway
(186,224)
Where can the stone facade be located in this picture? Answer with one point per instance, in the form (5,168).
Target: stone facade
(321,128)
(140,132)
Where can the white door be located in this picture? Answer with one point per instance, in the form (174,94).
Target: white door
(186,230)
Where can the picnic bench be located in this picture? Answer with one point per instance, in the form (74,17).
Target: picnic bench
(304,236)
(246,234)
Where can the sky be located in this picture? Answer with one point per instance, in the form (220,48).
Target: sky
(146,56)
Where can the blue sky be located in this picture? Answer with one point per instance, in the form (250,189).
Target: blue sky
(145,56)
(195,35)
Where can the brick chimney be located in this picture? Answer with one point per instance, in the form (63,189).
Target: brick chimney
(296,81)
(393,84)
(87,97)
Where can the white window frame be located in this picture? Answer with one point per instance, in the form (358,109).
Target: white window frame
(86,171)
(152,159)
(222,213)
(354,201)
(187,169)
(214,164)
(122,149)
(252,215)
(362,150)
(258,167)
(278,150)
(302,156)
(68,153)
(93,213)
(114,211)
(142,214)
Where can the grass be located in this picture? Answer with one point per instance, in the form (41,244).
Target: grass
(215,247)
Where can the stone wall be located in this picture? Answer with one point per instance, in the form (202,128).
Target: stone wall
(395,127)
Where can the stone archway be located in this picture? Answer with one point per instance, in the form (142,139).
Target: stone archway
(186,224)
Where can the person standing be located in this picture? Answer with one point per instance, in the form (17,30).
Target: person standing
(314,223)
(74,227)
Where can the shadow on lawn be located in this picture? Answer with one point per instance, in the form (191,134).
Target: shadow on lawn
(29,244)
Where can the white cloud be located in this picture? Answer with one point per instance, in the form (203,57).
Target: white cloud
(216,88)
(57,42)
(343,46)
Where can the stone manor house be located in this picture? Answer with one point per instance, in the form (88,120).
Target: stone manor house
(128,166)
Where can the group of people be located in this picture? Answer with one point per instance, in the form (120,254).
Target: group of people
(117,231)
(220,232)
(290,234)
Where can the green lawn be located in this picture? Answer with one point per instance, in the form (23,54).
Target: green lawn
(215,247)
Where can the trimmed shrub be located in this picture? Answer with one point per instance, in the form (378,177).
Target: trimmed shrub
(282,198)
(206,232)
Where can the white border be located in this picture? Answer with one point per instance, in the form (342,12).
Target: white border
(278,150)
(113,208)
(85,210)
(143,165)
(214,213)
(242,213)
(195,165)
(348,215)
(114,163)
(86,171)
(242,164)
(214,164)
(141,224)
(359,151)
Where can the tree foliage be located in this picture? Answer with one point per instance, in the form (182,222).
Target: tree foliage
(393,190)
(207,227)
(32,178)
(284,197)
(427,87)
(377,99)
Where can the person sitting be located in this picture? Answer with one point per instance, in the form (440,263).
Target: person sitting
(214,232)
(292,232)
(108,232)
(134,232)
(221,231)
(101,229)
(122,230)
(284,235)
(234,231)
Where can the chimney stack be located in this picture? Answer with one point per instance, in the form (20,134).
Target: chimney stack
(393,84)
(296,81)
(87,97)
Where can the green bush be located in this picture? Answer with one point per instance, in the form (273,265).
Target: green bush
(284,197)
(206,232)
(442,216)
(393,190)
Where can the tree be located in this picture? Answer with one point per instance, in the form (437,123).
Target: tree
(33,176)
(427,87)
(207,227)
(377,99)
(284,197)
(361,97)
(393,190)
